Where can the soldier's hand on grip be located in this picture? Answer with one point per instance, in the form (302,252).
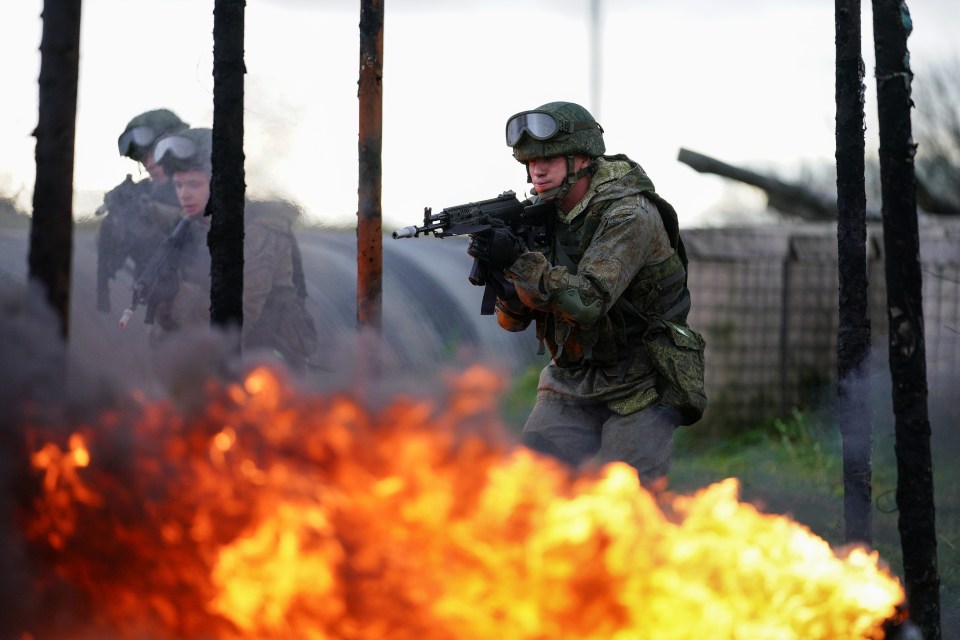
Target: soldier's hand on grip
(499,246)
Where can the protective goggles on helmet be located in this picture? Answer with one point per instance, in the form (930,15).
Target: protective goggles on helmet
(179,147)
(541,125)
(142,136)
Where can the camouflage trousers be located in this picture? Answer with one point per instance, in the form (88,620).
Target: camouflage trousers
(577,432)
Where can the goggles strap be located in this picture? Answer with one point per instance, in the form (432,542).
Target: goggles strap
(579,125)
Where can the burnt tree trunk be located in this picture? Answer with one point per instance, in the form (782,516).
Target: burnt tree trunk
(853,332)
(891,26)
(227,185)
(51,232)
(369,214)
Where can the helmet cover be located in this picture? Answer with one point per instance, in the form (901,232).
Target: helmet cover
(185,150)
(145,129)
(570,140)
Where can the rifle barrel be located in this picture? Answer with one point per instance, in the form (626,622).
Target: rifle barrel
(406,232)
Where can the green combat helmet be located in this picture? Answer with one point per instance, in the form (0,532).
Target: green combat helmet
(554,129)
(185,150)
(145,129)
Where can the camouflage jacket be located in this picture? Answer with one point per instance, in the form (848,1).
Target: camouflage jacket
(139,216)
(612,245)
(274,312)
(189,306)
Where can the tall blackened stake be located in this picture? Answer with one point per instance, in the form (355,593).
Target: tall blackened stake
(51,231)
(227,183)
(891,27)
(853,332)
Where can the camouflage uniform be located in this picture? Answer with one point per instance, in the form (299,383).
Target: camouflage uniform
(182,298)
(138,215)
(596,363)
(189,306)
(274,314)
(609,265)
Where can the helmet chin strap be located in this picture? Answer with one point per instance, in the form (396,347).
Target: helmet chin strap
(558,193)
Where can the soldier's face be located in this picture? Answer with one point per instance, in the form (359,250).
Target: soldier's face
(549,173)
(157,174)
(193,190)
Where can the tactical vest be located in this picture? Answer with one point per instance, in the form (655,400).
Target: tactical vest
(658,291)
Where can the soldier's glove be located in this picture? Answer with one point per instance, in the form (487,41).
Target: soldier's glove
(498,246)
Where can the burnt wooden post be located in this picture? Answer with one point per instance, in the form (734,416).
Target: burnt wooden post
(51,231)
(369,213)
(227,185)
(891,27)
(853,330)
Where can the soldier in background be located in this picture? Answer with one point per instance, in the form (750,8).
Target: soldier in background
(137,215)
(275,318)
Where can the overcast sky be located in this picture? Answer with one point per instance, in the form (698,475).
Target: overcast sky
(749,82)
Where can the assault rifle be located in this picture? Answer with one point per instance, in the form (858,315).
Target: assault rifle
(125,195)
(112,242)
(159,281)
(531,222)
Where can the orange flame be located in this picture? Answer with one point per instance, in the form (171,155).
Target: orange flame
(277,514)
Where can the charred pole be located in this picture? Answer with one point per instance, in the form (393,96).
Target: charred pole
(853,331)
(227,182)
(369,213)
(51,231)
(916,522)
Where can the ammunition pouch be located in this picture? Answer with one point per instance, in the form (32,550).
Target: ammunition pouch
(676,352)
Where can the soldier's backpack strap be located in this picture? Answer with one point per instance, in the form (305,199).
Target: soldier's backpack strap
(672,224)
(592,220)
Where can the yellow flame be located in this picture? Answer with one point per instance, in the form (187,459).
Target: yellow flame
(278,515)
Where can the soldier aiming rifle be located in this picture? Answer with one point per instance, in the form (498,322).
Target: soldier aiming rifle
(137,216)
(603,279)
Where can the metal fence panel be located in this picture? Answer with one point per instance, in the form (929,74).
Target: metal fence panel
(766,302)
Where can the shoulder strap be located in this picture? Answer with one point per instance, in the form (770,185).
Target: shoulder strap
(299,282)
(592,220)
(672,224)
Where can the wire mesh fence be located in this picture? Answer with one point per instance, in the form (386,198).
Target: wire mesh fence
(766,301)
